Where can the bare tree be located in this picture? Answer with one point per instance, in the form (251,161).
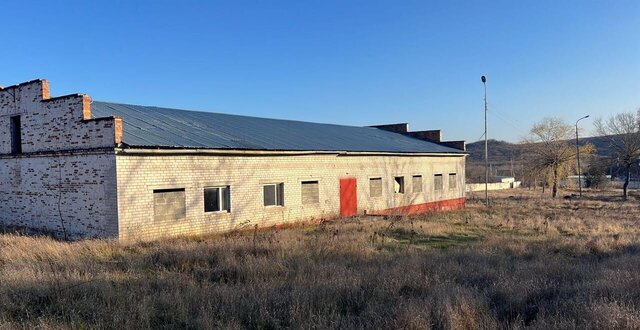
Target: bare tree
(550,152)
(623,134)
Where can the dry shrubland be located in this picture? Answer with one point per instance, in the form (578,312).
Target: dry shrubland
(529,261)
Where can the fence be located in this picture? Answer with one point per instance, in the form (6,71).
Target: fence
(493,186)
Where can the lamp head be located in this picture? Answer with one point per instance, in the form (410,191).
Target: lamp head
(585,117)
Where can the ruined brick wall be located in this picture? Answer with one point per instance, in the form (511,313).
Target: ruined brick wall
(52,124)
(138,176)
(65,173)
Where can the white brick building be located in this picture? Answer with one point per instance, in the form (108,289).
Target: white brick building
(94,169)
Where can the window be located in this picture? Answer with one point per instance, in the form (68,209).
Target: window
(16,135)
(310,192)
(274,194)
(217,199)
(437,182)
(169,205)
(398,186)
(453,183)
(375,187)
(416,183)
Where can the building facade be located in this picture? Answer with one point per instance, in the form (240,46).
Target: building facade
(94,169)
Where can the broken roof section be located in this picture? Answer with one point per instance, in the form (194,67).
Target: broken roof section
(148,126)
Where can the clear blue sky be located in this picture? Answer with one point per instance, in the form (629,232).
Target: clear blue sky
(346,62)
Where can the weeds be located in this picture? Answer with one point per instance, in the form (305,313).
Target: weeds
(526,262)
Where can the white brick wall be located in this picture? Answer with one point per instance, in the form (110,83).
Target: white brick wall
(49,187)
(51,124)
(70,176)
(47,192)
(138,176)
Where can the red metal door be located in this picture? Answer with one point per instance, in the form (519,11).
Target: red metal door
(348,197)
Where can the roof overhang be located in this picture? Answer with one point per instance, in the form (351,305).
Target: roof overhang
(250,152)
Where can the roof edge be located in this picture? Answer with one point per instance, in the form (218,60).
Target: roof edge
(140,150)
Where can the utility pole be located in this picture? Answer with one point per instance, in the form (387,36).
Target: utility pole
(486,146)
(578,155)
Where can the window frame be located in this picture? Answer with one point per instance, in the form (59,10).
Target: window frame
(413,186)
(455,175)
(226,208)
(402,189)
(376,178)
(302,183)
(279,194)
(436,188)
(161,190)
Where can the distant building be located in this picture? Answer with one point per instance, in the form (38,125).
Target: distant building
(505,179)
(98,169)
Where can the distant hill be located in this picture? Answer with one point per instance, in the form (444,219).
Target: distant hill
(499,151)
(506,158)
(502,151)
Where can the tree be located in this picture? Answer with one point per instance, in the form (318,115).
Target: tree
(622,131)
(550,152)
(596,173)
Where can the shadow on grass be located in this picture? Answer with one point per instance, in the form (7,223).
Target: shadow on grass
(409,237)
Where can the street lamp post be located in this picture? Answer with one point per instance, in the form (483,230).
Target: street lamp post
(578,155)
(486,146)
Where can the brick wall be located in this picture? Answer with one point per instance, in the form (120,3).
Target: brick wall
(52,124)
(139,175)
(49,192)
(64,179)
(69,177)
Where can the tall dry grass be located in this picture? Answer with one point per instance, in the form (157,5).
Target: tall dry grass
(526,262)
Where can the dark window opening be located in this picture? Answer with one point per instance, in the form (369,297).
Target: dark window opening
(16,135)
(398,187)
(159,191)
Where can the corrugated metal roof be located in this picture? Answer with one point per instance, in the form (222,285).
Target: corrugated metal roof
(148,126)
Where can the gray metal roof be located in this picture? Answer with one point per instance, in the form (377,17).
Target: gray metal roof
(148,126)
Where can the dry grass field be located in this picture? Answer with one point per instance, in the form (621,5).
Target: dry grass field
(529,261)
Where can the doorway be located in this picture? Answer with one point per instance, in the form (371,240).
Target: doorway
(348,197)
